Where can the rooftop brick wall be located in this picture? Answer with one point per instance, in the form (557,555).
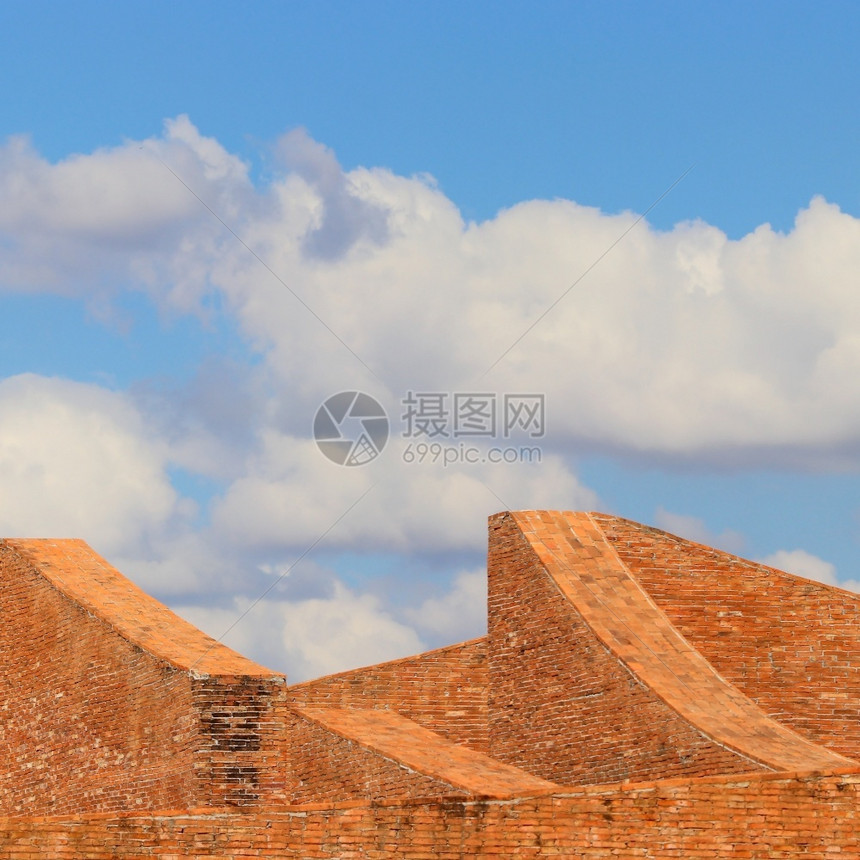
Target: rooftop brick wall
(340,754)
(615,652)
(767,816)
(444,690)
(562,705)
(792,645)
(327,767)
(108,701)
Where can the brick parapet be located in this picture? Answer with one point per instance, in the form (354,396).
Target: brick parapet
(112,707)
(240,759)
(778,816)
(328,766)
(409,747)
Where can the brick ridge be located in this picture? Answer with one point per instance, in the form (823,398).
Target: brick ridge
(738,559)
(573,549)
(86,579)
(592,515)
(411,745)
(388,663)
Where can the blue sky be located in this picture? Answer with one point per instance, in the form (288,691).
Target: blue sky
(429,178)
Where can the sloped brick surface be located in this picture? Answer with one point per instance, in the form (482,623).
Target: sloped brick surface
(443,690)
(109,701)
(327,767)
(409,747)
(590,681)
(89,581)
(792,645)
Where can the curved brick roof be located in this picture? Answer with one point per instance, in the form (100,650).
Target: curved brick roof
(84,577)
(787,642)
(589,573)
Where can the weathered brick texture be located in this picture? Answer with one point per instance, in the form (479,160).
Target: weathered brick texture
(636,696)
(765,817)
(792,645)
(108,701)
(328,767)
(561,702)
(444,690)
(341,754)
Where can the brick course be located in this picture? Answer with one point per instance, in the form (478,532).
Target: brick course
(759,816)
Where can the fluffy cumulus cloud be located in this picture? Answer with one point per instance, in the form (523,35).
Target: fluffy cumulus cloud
(457,615)
(312,637)
(681,344)
(802,563)
(75,461)
(79,461)
(289,493)
(319,625)
(95,223)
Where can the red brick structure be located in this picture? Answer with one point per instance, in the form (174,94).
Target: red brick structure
(637,695)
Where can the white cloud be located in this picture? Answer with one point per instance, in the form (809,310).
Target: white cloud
(343,217)
(803,563)
(343,629)
(310,638)
(458,615)
(684,343)
(680,344)
(290,494)
(76,461)
(93,223)
(79,461)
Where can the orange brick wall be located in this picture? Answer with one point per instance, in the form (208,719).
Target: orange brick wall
(764,816)
(325,767)
(86,720)
(90,721)
(102,722)
(241,751)
(790,644)
(561,706)
(443,690)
